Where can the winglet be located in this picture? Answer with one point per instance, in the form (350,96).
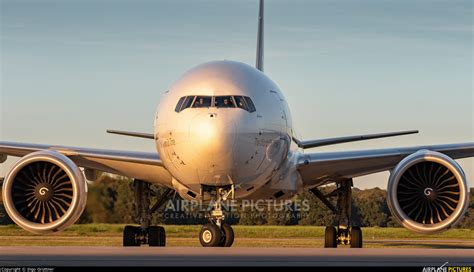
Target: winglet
(132,134)
(340,140)
(259,62)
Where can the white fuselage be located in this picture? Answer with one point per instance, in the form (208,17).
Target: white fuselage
(218,146)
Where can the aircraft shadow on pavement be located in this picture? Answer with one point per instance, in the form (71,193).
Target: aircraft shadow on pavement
(437,246)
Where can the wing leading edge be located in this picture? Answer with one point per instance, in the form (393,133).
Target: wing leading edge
(319,168)
(140,165)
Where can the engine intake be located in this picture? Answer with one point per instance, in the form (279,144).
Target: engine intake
(427,192)
(44,192)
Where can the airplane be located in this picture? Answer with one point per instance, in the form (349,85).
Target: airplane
(224,131)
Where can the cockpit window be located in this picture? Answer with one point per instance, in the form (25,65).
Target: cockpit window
(180,102)
(250,104)
(202,102)
(187,102)
(242,102)
(224,102)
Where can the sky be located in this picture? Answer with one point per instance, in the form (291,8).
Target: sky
(71,69)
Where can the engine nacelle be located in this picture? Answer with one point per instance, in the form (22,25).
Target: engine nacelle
(44,192)
(427,192)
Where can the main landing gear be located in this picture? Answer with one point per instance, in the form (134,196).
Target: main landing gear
(217,233)
(146,234)
(343,233)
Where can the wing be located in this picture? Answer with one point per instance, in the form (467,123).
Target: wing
(320,168)
(140,165)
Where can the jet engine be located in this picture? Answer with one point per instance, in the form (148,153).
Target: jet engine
(44,192)
(427,192)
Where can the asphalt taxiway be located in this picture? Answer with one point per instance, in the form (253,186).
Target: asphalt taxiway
(238,256)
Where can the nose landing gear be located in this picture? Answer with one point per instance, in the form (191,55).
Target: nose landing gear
(217,233)
(213,236)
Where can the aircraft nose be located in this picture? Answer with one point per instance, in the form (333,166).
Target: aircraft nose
(213,137)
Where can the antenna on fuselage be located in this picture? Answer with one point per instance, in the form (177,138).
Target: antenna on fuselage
(259,63)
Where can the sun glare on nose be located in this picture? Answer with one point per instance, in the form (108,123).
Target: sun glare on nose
(204,129)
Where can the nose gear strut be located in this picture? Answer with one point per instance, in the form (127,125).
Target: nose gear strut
(217,233)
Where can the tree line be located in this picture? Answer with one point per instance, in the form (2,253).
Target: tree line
(111,200)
